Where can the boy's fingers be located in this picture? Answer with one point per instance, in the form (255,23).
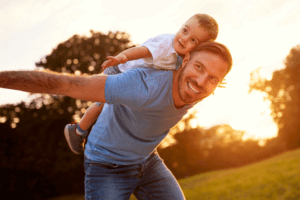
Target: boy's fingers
(111,61)
(104,65)
(124,60)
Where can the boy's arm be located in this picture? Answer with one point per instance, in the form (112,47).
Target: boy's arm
(90,116)
(133,53)
(89,88)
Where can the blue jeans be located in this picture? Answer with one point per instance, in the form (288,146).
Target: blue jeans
(148,180)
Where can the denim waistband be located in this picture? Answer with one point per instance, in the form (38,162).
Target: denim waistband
(153,154)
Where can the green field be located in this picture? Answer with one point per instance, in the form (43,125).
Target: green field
(275,178)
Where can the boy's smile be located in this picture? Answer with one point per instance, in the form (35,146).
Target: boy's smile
(189,36)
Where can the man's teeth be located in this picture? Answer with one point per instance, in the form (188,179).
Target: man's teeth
(193,89)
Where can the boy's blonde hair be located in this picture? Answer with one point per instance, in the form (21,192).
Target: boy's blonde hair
(209,23)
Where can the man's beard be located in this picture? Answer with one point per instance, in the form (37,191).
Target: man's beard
(183,96)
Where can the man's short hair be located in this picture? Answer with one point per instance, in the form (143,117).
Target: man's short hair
(209,23)
(215,48)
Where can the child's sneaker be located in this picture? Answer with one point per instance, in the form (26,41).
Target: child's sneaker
(75,141)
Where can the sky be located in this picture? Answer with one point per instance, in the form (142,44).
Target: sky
(259,33)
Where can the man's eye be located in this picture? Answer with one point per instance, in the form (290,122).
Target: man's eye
(194,41)
(184,30)
(199,67)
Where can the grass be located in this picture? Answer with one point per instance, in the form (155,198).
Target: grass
(275,178)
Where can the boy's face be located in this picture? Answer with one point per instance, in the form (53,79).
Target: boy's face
(189,36)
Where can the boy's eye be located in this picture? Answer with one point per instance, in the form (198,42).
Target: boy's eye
(184,30)
(194,41)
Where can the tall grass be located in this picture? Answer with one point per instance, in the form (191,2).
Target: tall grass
(275,178)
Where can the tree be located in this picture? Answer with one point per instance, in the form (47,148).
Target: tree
(36,162)
(283,91)
(83,55)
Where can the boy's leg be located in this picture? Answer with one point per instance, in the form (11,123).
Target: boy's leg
(157,182)
(109,181)
(74,135)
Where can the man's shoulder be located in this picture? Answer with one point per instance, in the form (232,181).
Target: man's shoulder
(138,87)
(152,80)
(150,73)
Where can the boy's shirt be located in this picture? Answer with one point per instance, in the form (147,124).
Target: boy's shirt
(163,53)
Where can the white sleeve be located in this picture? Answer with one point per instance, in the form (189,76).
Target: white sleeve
(163,54)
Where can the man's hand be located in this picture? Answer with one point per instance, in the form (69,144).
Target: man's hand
(114,60)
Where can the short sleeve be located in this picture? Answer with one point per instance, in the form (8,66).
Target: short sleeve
(163,53)
(126,89)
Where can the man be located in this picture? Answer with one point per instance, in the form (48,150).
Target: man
(142,106)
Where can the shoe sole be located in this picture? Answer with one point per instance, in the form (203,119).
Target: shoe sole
(66,132)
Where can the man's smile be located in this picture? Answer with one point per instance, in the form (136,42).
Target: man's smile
(193,89)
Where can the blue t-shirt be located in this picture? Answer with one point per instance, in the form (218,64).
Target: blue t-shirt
(139,113)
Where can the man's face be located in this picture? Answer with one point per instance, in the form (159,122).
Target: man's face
(198,77)
(189,36)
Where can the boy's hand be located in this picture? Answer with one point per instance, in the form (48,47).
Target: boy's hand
(114,60)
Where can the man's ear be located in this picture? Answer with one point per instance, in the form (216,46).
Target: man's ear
(222,83)
(186,59)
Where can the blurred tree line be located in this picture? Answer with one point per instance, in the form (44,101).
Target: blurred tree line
(283,91)
(36,162)
(198,150)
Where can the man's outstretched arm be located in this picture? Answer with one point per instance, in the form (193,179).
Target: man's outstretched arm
(89,88)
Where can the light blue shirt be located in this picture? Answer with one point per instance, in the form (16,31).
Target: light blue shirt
(139,113)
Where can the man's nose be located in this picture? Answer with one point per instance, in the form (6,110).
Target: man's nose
(202,80)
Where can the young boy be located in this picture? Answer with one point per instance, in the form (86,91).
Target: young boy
(163,52)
